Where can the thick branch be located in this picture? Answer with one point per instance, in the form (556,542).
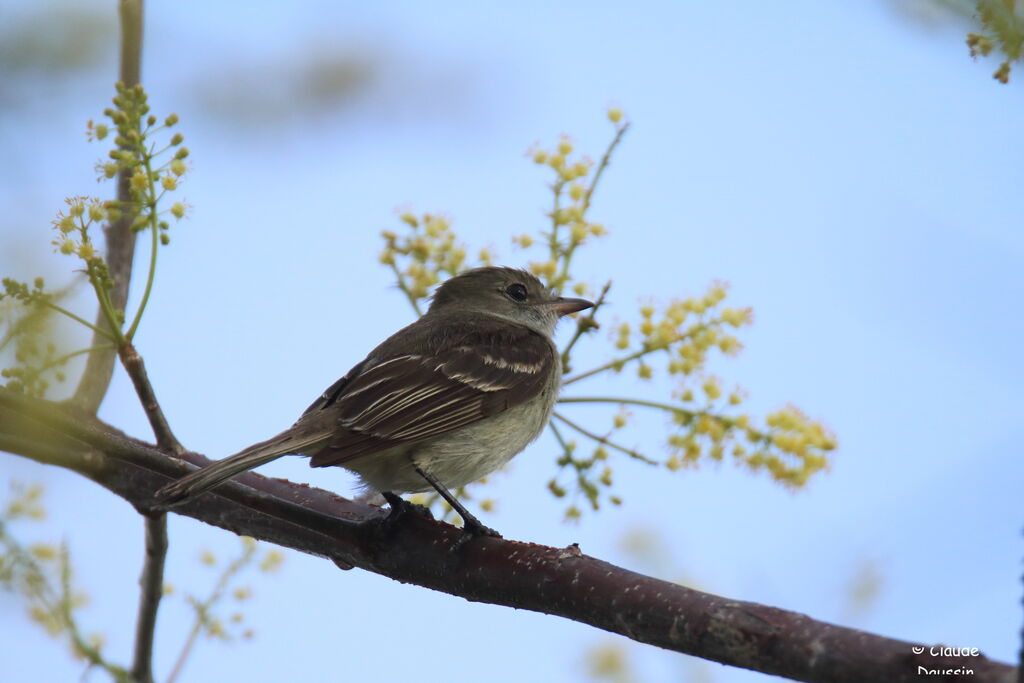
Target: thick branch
(563,582)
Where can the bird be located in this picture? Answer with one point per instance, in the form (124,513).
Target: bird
(441,403)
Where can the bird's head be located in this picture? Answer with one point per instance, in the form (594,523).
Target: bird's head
(513,294)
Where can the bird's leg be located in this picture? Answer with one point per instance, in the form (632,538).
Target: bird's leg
(471,526)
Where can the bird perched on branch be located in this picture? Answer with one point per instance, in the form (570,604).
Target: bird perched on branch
(439,404)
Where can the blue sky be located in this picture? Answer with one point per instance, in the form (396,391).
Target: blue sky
(852,174)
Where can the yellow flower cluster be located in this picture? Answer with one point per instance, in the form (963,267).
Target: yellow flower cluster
(572,189)
(686,329)
(72,231)
(136,157)
(790,447)
(429,253)
(686,333)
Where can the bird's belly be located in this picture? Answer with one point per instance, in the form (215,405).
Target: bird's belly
(456,458)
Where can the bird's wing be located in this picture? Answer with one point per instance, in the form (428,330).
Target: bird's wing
(332,392)
(412,397)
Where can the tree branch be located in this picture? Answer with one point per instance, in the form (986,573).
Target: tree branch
(136,369)
(558,581)
(151,584)
(120,239)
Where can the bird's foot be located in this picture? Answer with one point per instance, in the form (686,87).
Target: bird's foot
(473,528)
(400,507)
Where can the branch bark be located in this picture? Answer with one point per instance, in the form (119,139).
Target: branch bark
(558,581)
(151,585)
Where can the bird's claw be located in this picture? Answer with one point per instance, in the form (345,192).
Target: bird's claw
(400,507)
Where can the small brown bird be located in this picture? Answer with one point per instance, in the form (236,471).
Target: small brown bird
(439,404)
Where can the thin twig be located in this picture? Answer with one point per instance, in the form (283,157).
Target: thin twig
(584,324)
(151,583)
(725,420)
(567,254)
(605,161)
(78,641)
(559,438)
(203,609)
(630,401)
(605,440)
(136,369)
(154,249)
(61,360)
(618,362)
(97,331)
(405,289)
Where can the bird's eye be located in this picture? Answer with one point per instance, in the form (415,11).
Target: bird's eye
(516,291)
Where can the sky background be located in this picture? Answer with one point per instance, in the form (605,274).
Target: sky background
(846,167)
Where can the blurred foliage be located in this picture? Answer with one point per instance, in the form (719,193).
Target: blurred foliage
(674,340)
(863,590)
(267,92)
(619,660)
(31,347)
(1001,24)
(54,40)
(42,575)
(219,615)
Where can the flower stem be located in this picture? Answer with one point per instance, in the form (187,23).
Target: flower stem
(605,440)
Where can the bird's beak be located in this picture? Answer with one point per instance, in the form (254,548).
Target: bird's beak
(564,306)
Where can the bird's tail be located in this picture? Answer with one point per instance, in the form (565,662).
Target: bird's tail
(216,473)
